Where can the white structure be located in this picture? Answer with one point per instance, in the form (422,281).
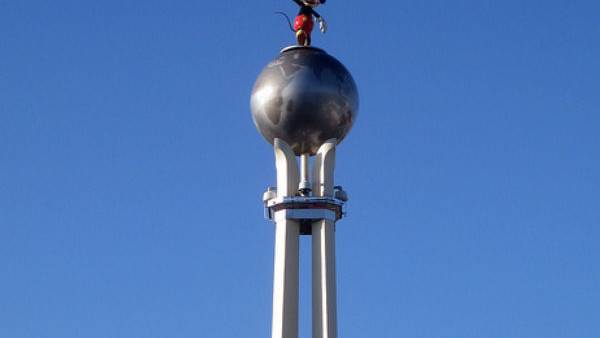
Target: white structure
(304,103)
(296,213)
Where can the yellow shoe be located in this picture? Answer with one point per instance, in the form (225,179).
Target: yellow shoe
(301,38)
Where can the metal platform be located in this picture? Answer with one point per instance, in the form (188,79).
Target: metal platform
(304,209)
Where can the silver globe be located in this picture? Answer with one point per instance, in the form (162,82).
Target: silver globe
(304,97)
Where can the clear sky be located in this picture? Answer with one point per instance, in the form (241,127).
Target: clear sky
(131,174)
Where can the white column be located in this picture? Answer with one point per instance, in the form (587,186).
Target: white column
(285,280)
(285,275)
(324,311)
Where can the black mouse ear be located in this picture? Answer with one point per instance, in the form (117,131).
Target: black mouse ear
(322,1)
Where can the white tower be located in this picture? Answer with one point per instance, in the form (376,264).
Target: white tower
(304,103)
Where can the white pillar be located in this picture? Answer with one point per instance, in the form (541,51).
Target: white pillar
(285,275)
(324,310)
(285,280)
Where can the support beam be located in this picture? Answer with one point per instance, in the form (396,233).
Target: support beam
(285,279)
(324,310)
(288,174)
(285,275)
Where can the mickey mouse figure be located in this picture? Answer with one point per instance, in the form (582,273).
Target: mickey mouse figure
(303,24)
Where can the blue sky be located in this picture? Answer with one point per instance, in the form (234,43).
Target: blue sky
(131,173)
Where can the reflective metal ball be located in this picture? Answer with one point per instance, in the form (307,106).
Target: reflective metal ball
(304,97)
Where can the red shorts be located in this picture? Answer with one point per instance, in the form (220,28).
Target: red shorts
(304,22)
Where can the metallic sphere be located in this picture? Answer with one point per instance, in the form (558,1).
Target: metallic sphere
(304,97)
